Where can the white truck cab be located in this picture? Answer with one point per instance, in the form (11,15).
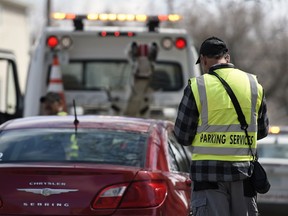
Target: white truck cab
(11,100)
(97,71)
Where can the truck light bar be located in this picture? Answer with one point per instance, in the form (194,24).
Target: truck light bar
(115,17)
(152,21)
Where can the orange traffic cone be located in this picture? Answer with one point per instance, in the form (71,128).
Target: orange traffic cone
(55,82)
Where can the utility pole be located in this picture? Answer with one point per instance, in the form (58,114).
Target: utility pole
(48,12)
(170,10)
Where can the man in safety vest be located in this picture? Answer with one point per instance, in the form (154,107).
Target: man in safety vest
(53,105)
(208,121)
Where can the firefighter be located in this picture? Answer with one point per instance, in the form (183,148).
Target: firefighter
(207,120)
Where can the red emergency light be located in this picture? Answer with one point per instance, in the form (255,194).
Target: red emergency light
(103,33)
(130,34)
(180,43)
(116,34)
(52,41)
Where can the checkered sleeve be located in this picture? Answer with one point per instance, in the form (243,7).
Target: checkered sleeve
(187,118)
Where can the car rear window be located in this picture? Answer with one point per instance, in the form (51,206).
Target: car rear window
(273,146)
(61,145)
(99,75)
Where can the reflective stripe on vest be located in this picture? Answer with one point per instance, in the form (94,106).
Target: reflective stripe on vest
(225,140)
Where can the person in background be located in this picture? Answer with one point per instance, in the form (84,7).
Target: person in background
(52,104)
(208,121)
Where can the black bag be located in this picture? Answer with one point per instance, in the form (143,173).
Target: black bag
(259,179)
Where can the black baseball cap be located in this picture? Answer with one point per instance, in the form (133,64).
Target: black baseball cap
(212,46)
(51,97)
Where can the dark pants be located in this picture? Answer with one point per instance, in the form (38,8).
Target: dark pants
(222,199)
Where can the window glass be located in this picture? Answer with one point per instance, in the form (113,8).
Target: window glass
(273,146)
(89,75)
(180,156)
(72,76)
(8,100)
(11,90)
(107,74)
(167,77)
(173,164)
(95,146)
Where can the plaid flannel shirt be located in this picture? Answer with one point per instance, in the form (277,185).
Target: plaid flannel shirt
(185,130)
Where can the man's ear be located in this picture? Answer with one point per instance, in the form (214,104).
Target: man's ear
(204,59)
(227,58)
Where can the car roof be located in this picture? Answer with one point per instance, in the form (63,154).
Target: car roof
(85,121)
(277,135)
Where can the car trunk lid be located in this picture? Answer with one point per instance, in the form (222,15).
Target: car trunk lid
(60,189)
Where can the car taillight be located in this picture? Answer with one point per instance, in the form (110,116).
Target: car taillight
(138,194)
(144,194)
(180,43)
(109,197)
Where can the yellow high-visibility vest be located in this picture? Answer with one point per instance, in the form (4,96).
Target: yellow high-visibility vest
(73,148)
(72,152)
(62,113)
(219,135)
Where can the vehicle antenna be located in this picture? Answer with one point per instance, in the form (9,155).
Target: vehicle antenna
(76,121)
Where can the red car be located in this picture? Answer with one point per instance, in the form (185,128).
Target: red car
(93,165)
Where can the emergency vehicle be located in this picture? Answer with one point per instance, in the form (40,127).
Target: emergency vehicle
(116,70)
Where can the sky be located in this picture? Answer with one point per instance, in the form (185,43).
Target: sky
(38,13)
(276,7)
(97,6)
(38,7)
(151,7)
